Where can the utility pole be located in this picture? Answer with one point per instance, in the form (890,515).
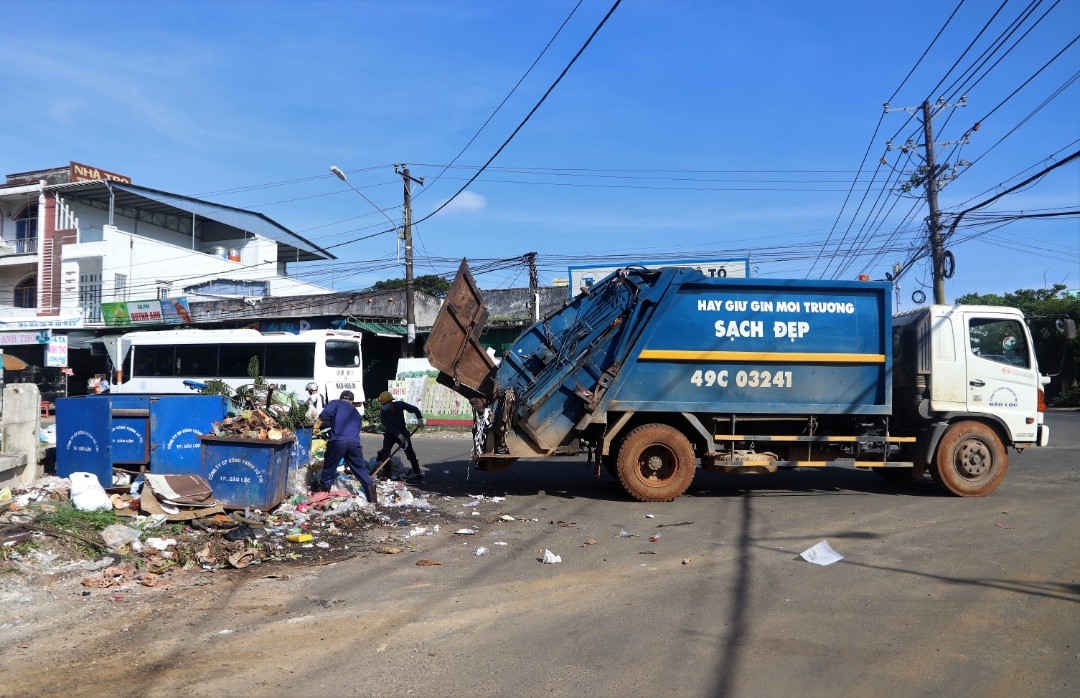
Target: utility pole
(407,179)
(534,286)
(933,177)
(937,246)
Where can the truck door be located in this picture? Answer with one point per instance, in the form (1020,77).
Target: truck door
(1002,375)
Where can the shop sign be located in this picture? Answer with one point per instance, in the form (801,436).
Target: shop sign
(14,339)
(86,173)
(173,311)
(56,356)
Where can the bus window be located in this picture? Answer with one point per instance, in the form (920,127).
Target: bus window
(196,360)
(342,354)
(236,357)
(289,360)
(154,361)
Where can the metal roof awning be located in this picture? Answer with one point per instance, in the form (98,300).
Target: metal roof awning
(379,329)
(291,247)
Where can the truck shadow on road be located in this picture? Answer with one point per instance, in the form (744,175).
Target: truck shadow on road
(573,479)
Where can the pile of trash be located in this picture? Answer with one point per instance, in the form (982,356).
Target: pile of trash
(140,534)
(257,424)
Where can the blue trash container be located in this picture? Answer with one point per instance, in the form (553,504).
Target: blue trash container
(246,472)
(83,437)
(176,423)
(301,450)
(130,432)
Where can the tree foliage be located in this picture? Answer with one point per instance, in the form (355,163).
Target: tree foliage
(430,284)
(1043,308)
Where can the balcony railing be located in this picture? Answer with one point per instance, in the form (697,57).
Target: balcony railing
(22,245)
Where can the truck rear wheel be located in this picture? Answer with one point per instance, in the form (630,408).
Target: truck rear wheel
(971,460)
(656,463)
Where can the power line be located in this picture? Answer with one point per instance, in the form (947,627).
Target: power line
(509,94)
(873,137)
(528,116)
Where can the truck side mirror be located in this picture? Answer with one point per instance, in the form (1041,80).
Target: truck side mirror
(1067,327)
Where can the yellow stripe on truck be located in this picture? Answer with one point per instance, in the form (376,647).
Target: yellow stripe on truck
(770,356)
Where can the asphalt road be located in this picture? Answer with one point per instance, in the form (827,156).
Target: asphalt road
(936,596)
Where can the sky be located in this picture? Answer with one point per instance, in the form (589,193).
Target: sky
(683,129)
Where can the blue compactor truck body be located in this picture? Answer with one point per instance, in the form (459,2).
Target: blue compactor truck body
(653,372)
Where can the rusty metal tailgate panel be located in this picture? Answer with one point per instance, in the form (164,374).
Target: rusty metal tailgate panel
(454,344)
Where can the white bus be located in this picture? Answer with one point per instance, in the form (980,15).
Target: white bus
(160,362)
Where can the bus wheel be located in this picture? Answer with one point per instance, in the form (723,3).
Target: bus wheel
(656,463)
(971,460)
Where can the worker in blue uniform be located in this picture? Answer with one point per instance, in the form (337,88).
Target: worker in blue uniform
(344,421)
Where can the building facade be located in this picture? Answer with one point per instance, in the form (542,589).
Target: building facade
(77,242)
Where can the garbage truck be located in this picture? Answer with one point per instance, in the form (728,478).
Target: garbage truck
(653,372)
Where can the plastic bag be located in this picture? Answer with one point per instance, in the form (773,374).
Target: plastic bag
(117,536)
(87,494)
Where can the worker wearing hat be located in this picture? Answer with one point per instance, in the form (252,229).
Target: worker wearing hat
(392,414)
(344,442)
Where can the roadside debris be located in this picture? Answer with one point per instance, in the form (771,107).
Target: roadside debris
(138,534)
(424,562)
(549,558)
(821,553)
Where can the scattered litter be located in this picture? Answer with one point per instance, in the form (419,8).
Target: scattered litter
(623,533)
(241,532)
(417,531)
(476,513)
(687,560)
(549,558)
(821,553)
(1001,525)
(322,544)
(653,538)
(500,542)
(590,541)
(299,537)
(118,535)
(465,532)
(677,523)
(161,543)
(388,549)
(471,504)
(87,494)
(647,552)
(481,551)
(424,562)
(507,517)
(242,559)
(650,516)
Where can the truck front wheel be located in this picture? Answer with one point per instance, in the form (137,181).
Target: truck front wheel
(971,460)
(656,463)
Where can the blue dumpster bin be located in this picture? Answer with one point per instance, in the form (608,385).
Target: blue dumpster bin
(176,423)
(130,430)
(83,437)
(301,450)
(246,472)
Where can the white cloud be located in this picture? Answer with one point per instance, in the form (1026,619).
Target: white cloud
(467,201)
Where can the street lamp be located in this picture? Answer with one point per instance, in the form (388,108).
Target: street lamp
(410,308)
(340,174)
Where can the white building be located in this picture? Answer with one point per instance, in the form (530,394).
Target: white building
(73,238)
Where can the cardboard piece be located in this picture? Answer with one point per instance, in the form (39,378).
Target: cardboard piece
(150,505)
(181,490)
